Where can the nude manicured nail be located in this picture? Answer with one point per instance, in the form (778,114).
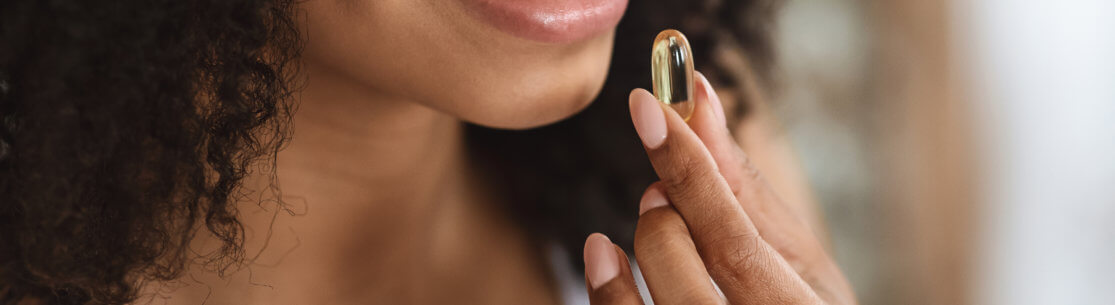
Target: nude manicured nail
(601,261)
(653,198)
(711,97)
(649,120)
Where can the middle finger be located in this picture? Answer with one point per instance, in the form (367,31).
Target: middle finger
(776,222)
(746,267)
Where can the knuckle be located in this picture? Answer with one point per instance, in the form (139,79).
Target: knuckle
(686,169)
(736,256)
(749,165)
(691,182)
(689,175)
(750,181)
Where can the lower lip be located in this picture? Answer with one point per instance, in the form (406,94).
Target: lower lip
(549,20)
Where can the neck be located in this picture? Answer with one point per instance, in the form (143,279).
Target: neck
(351,141)
(383,209)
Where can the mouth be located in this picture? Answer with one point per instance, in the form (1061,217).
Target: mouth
(550,21)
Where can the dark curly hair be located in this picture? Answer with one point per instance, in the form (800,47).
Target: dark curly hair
(127,126)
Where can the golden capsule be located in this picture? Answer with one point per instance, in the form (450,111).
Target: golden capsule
(671,68)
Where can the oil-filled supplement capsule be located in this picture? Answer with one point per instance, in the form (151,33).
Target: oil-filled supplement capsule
(671,68)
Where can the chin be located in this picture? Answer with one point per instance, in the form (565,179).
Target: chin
(469,61)
(538,105)
(539,95)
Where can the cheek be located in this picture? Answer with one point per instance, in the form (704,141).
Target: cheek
(436,55)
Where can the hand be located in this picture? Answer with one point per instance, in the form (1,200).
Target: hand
(711,215)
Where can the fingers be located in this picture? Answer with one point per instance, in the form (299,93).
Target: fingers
(748,270)
(667,257)
(689,175)
(780,226)
(607,274)
(708,122)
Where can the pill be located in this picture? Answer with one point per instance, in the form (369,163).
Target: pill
(671,66)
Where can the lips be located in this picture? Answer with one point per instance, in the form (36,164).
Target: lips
(551,21)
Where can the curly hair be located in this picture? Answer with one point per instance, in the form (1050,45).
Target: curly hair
(124,125)
(126,129)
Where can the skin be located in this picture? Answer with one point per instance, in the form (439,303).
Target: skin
(388,209)
(712,215)
(398,50)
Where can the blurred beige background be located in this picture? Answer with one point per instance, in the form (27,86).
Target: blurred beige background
(963,151)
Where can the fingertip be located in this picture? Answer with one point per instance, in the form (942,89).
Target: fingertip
(706,93)
(601,260)
(652,198)
(648,118)
(639,91)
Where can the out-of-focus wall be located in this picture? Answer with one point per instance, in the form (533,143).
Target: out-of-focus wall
(823,103)
(1043,75)
(963,151)
(873,104)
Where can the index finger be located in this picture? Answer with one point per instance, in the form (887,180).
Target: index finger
(748,270)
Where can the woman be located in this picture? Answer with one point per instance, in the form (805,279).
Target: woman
(391,152)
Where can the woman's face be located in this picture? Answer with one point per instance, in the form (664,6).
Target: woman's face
(498,63)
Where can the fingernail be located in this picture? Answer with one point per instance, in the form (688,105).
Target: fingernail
(653,198)
(601,262)
(649,120)
(712,98)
